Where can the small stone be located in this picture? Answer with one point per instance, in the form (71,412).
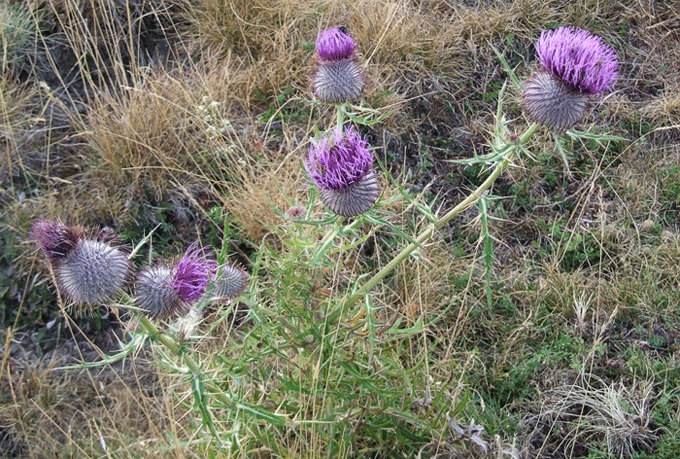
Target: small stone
(647,226)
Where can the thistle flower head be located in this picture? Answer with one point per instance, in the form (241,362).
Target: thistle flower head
(341,167)
(578,58)
(576,65)
(335,44)
(295,213)
(162,291)
(155,295)
(338,76)
(230,282)
(193,273)
(92,272)
(55,239)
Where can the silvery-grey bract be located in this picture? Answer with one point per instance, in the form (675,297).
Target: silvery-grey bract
(88,271)
(575,65)
(154,293)
(338,76)
(230,282)
(92,272)
(341,167)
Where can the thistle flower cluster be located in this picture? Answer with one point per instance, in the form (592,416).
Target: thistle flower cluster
(340,164)
(88,270)
(338,77)
(575,65)
(91,271)
(341,167)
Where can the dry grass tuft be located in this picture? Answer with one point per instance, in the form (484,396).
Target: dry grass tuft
(82,413)
(586,417)
(264,190)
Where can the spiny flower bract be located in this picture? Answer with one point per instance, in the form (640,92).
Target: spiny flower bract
(341,167)
(154,293)
(230,282)
(552,104)
(92,272)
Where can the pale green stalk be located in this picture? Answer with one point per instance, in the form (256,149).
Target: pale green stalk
(194,367)
(429,232)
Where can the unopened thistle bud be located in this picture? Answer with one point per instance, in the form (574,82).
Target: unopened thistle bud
(575,65)
(230,282)
(88,271)
(164,292)
(341,167)
(338,77)
(295,213)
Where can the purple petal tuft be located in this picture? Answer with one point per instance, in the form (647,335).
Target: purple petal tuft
(193,273)
(580,59)
(335,44)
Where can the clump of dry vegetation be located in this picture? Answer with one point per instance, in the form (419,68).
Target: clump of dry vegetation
(553,336)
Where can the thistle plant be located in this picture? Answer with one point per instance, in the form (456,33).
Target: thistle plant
(316,338)
(577,65)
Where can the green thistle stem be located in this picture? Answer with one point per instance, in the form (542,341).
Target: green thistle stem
(195,369)
(340,115)
(427,234)
(328,239)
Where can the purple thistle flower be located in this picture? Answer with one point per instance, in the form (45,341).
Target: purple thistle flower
(576,65)
(295,213)
(87,270)
(335,44)
(341,167)
(338,76)
(578,58)
(193,273)
(55,240)
(162,292)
